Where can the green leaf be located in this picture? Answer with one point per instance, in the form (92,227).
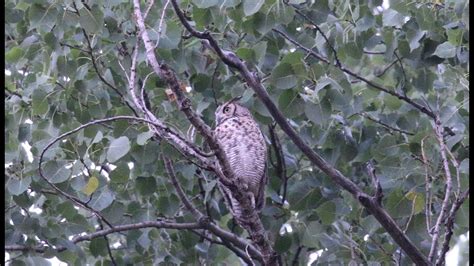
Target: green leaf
(327,212)
(311,235)
(146,185)
(282,243)
(414,38)
(55,172)
(143,137)
(283,77)
(118,148)
(24,132)
(205,3)
(91,20)
(418,201)
(252,6)
(14,54)
(445,50)
(16,186)
(120,174)
(98,247)
(91,185)
(392,18)
(397,204)
(40,103)
(317,113)
(171,35)
(102,199)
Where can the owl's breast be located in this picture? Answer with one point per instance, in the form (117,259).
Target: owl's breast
(244,147)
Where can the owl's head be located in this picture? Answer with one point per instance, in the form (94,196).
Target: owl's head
(230,109)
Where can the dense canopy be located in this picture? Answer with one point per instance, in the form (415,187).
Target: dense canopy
(110,157)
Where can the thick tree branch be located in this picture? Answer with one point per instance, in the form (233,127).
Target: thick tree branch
(250,219)
(369,202)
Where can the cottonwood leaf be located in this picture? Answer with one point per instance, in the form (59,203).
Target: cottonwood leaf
(118,148)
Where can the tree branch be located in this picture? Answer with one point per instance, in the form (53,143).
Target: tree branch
(370,203)
(90,51)
(238,252)
(389,127)
(74,199)
(375,179)
(280,161)
(449,227)
(444,207)
(418,106)
(105,232)
(250,219)
(227,236)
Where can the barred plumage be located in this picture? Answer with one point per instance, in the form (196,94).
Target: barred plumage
(244,146)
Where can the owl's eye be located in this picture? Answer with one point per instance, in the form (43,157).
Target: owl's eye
(226,109)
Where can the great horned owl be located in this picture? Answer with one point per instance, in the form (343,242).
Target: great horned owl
(244,146)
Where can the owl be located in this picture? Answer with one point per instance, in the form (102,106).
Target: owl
(244,146)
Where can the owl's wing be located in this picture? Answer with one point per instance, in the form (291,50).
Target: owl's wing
(260,197)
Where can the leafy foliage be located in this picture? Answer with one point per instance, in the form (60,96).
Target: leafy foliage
(66,65)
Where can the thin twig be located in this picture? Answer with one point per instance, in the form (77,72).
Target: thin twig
(108,245)
(74,199)
(338,63)
(376,182)
(418,106)
(104,232)
(160,25)
(96,68)
(449,224)
(280,161)
(238,252)
(297,254)
(428,181)
(389,127)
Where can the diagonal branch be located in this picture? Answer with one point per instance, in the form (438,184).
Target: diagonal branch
(241,254)
(372,84)
(206,220)
(387,126)
(369,202)
(444,207)
(449,227)
(90,51)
